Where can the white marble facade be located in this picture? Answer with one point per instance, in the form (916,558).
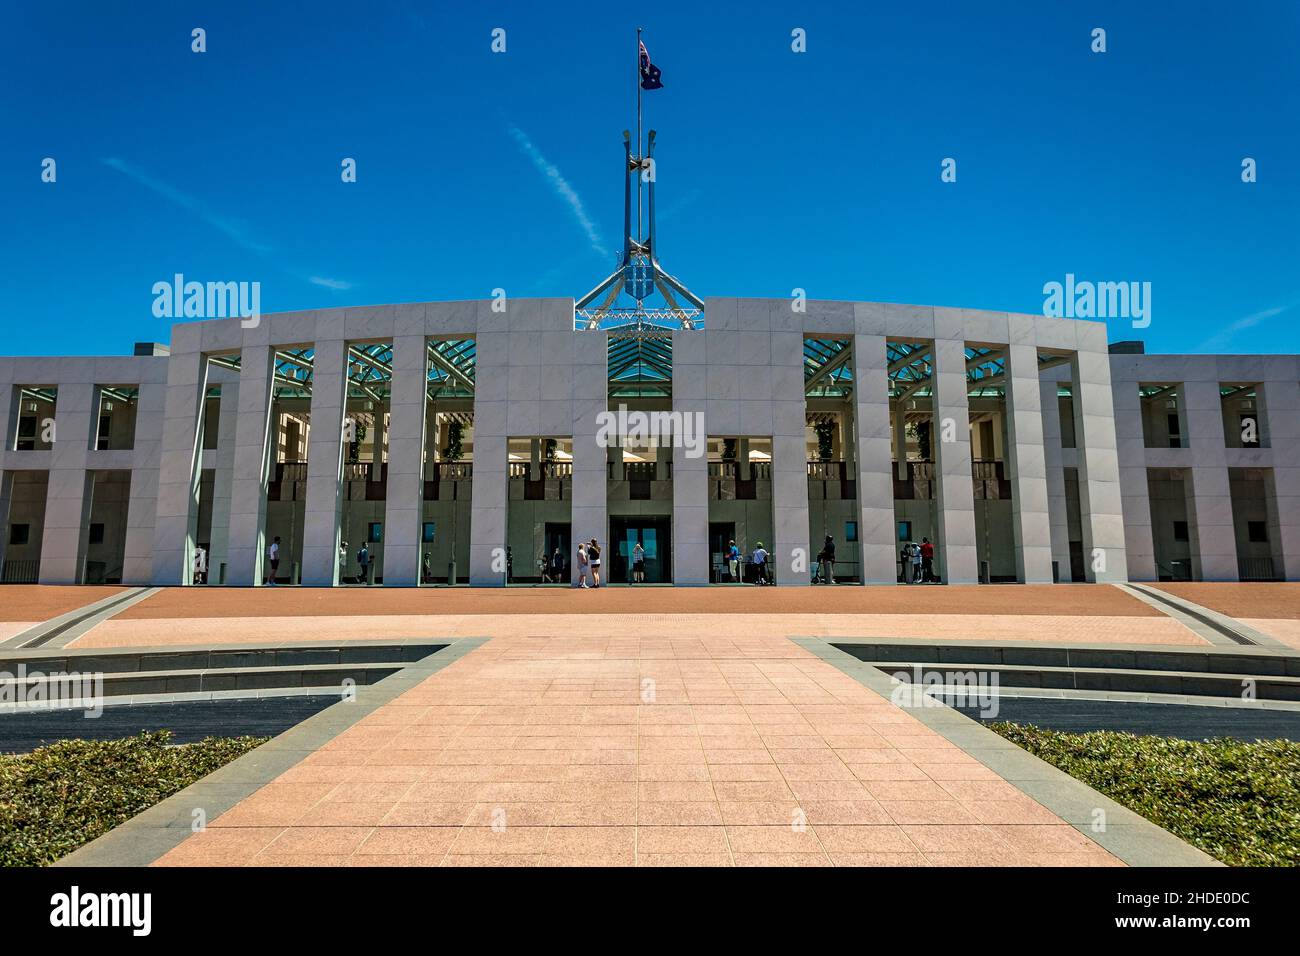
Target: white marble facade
(536,376)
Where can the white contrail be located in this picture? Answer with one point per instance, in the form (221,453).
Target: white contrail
(1224,337)
(236,229)
(562,187)
(337,284)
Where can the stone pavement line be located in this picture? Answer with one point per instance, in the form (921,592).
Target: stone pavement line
(67,627)
(1180,608)
(1156,629)
(150,834)
(1130,837)
(719,748)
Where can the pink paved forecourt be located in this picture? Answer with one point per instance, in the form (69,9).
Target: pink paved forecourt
(721,749)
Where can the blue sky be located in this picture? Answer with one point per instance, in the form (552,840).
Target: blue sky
(776,170)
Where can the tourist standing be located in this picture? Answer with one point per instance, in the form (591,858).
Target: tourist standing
(273,557)
(363,561)
(733,561)
(927,561)
(827,559)
(760,564)
(582,565)
(593,556)
(638,563)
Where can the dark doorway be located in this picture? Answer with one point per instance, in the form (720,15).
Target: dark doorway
(655,534)
(721,534)
(558,535)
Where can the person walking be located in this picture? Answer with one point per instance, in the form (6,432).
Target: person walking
(733,561)
(827,560)
(593,556)
(638,563)
(363,561)
(583,564)
(760,564)
(273,557)
(557,565)
(927,561)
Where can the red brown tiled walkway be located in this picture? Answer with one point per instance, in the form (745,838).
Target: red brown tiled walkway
(718,750)
(26,605)
(1076,613)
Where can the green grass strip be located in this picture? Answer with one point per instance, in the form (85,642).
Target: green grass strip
(57,798)
(1237,801)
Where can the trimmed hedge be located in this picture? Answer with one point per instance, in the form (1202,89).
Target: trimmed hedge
(59,797)
(1237,801)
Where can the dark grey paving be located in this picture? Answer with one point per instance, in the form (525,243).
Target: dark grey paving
(1137,717)
(188,721)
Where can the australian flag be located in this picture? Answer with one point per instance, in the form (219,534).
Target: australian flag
(649,72)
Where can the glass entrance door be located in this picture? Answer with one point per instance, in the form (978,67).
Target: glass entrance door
(654,535)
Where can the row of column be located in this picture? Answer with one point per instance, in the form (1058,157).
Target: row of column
(1027,399)
(240,490)
(1211,526)
(73,464)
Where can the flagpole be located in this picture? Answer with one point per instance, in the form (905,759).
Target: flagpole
(638,134)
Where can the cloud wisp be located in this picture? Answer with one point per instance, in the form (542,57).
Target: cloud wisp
(1223,338)
(336,284)
(235,229)
(562,189)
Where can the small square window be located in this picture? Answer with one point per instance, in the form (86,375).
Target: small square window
(426,534)
(850,531)
(1180,530)
(18,533)
(96,533)
(904,531)
(1257,532)
(376,532)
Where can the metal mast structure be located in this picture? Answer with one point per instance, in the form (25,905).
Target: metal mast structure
(639,274)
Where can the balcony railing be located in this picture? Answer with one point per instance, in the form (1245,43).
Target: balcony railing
(758,470)
(521,470)
(454,470)
(640,471)
(826,470)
